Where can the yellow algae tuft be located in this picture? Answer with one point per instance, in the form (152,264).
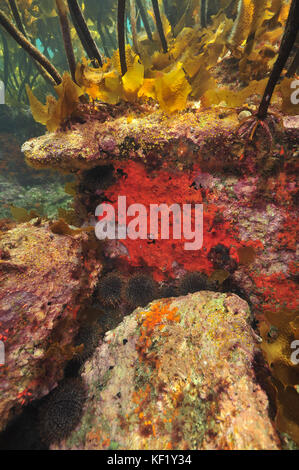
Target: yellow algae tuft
(173,89)
(278,350)
(133,81)
(110,90)
(243,22)
(54,112)
(248,30)
(148,89)
(22,215)
(88,78)
(100,84)
(230,97)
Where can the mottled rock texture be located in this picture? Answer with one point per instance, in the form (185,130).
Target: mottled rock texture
(45,277)
(249,191)
(141,135)
(178,374)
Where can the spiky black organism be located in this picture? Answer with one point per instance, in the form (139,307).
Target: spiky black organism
(110,289)
(141,289)
(193,282)
(87,339)
(220,257)
(89,336)
(62,411)
(97,179)
(22,433)
(168,290)
(230,286)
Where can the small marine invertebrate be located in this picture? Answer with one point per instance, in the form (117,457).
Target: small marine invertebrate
(110,289)
(89,337)
(220,257)
(193,282)
(141,290)
(62,410)
(168,290)
(97,179)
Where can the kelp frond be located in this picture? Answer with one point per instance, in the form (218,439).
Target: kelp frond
(55,112)
(29,48)
(160,25)
(84,34)
(66,34)
(121,16)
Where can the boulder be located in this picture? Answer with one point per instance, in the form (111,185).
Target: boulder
(178,374)
(45,278)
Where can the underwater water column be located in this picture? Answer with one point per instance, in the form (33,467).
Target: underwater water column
(16,15)
(29,48)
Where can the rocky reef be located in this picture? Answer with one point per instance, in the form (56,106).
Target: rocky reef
(178,374)
(249,194)
(190,106)
(45,277)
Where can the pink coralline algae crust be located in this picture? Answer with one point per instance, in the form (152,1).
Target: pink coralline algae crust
(45,278)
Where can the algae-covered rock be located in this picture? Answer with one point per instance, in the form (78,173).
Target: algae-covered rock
(197,134)
(178,374)
(45,277)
